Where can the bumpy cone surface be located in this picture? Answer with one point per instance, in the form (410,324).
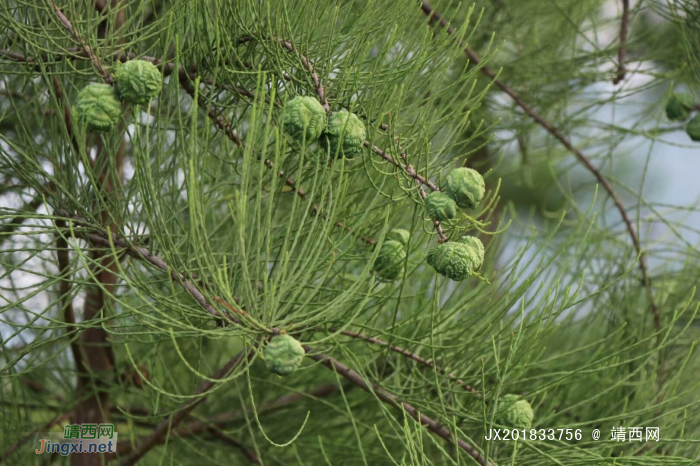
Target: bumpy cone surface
(138,81)
(465,186)
(693,128)
(454,260)
(400,235)
(514,412)
(344,135)
(476,250)
(389,264)
(98,108)
(679,106)
(304,119)
(440,206)
(283,354)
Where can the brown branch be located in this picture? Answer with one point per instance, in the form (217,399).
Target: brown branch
(310,68)
(99,358)
(26,438)
(174,420)
(421,191)
(420,180)
(435,17)
(408,354)
(392,400)
(153,439)
(62,246)
(95,61)
(622,52)
(16,56)
(236,444)
(138,252)
(209,425)
(65,300)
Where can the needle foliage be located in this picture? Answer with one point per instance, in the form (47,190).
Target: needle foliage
(135,263)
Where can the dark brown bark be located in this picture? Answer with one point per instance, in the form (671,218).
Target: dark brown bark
(99,355)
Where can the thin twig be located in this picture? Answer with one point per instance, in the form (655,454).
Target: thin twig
(26,438)
(622,52)
(236,444)
(434,16)
(220,421)
(391,399)
(320,91)
(139,252)
(408,354)
(174,420)
(421,191)
(95,61)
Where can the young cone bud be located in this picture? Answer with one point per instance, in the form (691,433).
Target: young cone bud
(400,235)
(304,119)
(440,206)
(476,250)
(514,412)
(389,264)
(138,81)
(98,108)
(454,260)
(465,186)
(679,106)
(344,135)
(283,354)
(693,128)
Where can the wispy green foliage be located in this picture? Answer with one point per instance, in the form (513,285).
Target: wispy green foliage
(218,231)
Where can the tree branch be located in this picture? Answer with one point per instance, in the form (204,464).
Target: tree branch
(67,303)
(329,362)
(408,354)
(394,401)
(236,444)
(435,17)
(622,52)
(139,252)
(26,438)
(95,61)
(220,421)
(174,420)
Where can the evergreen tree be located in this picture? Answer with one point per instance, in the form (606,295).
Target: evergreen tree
(362,232)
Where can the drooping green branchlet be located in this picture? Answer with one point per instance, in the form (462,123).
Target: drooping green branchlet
(138,81)
(283,354)
(304,119)
(679,106)
(344,135)
(693,128)
(465,186)
(476,250)
(456,260)
(514,412)
(440,206)
(389,264)
(400,235)
(98,108)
